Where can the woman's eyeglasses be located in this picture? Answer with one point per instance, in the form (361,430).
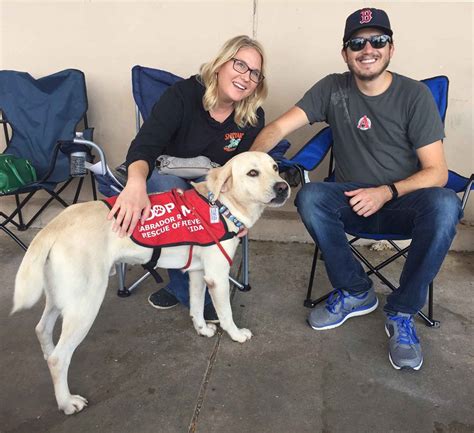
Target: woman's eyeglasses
(378,41)
(241,67)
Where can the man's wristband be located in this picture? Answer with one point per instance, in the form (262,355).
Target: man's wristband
(394,191)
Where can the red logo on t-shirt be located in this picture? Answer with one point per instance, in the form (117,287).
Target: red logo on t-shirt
(365,16)
(364,123)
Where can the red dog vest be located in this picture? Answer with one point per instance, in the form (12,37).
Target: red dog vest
(179,219)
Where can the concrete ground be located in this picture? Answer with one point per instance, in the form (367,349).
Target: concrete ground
(145,370)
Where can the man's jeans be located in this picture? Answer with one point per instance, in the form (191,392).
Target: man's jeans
(179,281)
(428,216)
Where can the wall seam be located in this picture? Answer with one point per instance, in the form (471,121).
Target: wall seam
(254,19)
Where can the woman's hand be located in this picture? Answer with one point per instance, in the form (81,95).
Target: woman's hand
(133,203)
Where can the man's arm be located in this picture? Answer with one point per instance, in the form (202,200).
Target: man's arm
(275,131)
(434,172)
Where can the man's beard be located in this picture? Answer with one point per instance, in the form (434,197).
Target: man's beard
(372,76)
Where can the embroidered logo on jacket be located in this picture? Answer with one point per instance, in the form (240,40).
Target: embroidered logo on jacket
(364,123)
(233,140)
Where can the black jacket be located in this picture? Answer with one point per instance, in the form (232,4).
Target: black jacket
(179,126)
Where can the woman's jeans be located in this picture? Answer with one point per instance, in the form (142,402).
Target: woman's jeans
(178,285)
(428,216)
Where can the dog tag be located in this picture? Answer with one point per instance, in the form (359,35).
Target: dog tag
(214,214)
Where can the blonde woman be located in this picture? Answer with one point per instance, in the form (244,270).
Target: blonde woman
(216,113)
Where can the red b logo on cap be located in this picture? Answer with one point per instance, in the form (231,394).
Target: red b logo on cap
(365,16)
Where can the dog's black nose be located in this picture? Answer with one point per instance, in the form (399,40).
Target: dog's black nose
(280,188)
(282,191)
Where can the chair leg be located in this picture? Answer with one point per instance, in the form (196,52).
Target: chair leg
(308,302)
(243,286)
(432,323)
(93,185)
(9,219)
(21,227)
(245,264)
(14,237)
(429,321)
(430,301)
(122,291)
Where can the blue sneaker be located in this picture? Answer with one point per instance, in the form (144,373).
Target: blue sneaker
(404,346)
(340,306)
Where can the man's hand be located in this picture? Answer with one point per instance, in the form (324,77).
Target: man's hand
(367,201)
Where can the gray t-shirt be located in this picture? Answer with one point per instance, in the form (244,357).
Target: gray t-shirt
(375,137)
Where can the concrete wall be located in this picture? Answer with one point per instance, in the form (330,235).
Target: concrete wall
(302,40)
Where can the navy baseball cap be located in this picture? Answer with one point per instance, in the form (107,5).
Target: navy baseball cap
(367,17)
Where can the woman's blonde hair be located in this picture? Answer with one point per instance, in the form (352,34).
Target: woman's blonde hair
(245,110)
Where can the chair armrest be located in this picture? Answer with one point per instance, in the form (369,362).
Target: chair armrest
(310,156)
(278,152)
(314,151)
(285,164)
(460,184)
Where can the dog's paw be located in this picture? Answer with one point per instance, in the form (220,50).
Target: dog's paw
(74,404)
(242,335)
(208,330)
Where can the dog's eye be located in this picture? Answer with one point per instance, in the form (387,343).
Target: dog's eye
(252,173)
(275,167)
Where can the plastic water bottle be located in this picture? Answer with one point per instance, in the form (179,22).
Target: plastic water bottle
(77,164)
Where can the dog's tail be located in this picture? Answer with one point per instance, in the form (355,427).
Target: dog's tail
(30,278)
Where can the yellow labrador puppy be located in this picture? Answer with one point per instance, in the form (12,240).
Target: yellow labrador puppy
(70,261)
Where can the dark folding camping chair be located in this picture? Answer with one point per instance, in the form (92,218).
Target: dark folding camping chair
(148,84)
(41,113)
(314,152)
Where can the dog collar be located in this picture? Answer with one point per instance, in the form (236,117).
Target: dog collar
(224,210)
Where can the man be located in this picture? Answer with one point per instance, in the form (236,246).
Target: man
(390,168)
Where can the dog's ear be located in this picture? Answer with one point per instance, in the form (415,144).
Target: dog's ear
(219,179)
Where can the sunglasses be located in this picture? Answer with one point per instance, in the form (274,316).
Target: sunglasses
(378,41)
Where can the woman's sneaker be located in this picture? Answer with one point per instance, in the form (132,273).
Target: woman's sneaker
(340,306)
(404,345)
(162,299)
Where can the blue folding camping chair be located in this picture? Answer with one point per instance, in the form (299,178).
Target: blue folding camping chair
(148,84)
(42,113)
(314,152)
